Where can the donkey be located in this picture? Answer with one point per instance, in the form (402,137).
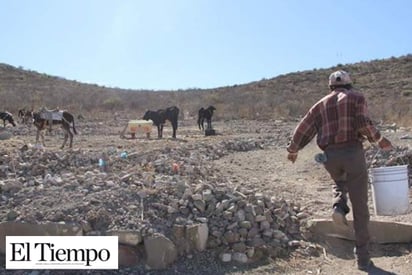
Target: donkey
(44,119)
(25,116)
(6,116)
(205,114)
(160,116)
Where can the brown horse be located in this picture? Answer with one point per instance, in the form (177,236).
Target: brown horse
(45,119)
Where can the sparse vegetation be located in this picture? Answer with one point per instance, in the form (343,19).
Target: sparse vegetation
(407,93)
(386,83)
(112,103)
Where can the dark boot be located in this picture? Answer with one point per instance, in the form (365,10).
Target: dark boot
(363,260)
(365,265)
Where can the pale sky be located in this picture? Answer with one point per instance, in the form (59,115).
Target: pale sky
(181,44)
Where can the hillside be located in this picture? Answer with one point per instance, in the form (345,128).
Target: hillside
(256,205)
(386,83)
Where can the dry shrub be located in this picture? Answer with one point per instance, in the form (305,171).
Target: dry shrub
(385,83)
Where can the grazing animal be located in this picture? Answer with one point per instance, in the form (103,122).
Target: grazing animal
(6,116)
(26,116)
(160,116)
(43,119)
(205,114)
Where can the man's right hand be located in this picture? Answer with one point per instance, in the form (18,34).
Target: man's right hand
(385,144)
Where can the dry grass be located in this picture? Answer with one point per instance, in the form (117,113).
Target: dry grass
(387,85)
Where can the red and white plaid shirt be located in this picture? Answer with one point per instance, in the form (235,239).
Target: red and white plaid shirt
(340,117)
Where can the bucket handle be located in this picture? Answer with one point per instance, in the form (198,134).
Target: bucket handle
(374,156)
(377,152)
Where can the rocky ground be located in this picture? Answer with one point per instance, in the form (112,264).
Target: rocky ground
(255,203)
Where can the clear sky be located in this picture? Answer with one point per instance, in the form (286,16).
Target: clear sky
(180,44)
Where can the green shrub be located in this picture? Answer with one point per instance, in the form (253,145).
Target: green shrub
(112,103)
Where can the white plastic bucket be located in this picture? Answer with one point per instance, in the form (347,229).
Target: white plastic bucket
(390,190)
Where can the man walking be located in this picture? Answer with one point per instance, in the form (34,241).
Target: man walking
(340,120)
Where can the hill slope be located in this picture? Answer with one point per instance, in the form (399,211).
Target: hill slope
(387,84)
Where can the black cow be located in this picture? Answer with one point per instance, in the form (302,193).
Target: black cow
(160,116)
(6,116)
(43,119)
(205,114)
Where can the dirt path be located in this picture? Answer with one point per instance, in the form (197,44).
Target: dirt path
(308,184)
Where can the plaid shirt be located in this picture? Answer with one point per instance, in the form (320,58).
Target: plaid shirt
(340,117)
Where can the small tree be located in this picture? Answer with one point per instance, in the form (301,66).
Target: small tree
(112,103)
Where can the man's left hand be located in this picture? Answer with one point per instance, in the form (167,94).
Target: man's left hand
(292,157)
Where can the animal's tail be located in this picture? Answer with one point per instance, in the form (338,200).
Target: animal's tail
(74,129)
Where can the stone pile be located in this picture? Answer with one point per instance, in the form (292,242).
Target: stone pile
(172,198)
(4,134)
(143,193)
